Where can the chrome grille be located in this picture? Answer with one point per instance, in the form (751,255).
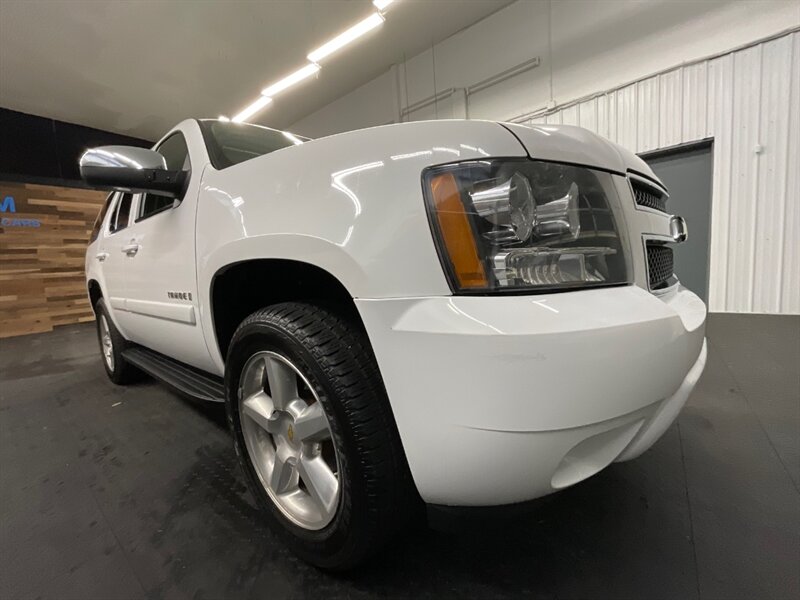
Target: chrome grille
(659,265)
(649,196)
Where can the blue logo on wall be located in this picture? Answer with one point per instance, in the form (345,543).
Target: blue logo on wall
(7,205)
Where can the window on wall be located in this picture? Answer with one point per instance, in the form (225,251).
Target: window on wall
(176,154)
(122,213)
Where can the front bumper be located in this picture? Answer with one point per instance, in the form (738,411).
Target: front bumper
(503,399)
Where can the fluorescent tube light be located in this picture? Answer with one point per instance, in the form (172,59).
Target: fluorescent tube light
(292,138)
(223,118)
(290,80)
(381,4)
(252,109)
(341,40)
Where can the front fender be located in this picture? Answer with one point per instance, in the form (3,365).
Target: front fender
(351,203)
(302,248)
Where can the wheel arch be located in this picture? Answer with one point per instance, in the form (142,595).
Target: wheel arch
(95,292)
(241,288)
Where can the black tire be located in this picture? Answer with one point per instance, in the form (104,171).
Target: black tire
(377,497)
(119,371)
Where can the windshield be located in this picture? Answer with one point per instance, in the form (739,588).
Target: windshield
(231,143)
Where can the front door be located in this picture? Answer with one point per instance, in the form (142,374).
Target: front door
(162,299)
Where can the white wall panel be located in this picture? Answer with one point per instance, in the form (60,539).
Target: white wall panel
(720,118)
(603,121)
(694,105)
(748,101)
(554,118)
(670,111)
(626,117)
(744,176)
(647,126)
(570,116)
(587,112)
(789,282)
(773,171)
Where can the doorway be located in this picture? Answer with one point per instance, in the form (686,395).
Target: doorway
(687,172)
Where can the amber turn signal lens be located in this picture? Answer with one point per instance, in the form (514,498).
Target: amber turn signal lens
(457,233)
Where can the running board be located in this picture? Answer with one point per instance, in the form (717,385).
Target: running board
(188,380)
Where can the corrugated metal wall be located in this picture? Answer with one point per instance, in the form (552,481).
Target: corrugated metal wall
(748,101)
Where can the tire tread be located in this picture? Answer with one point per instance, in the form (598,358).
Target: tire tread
(344,354)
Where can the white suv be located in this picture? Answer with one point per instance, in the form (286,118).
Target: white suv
(460,313)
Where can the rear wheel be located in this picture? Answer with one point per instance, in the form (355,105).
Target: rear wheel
(112,344)
(315,435)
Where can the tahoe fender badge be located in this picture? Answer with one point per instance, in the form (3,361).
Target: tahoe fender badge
(179,295)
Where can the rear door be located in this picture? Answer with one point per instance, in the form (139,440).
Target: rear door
(162,299)
(112,258)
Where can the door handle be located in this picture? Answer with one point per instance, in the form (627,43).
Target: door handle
(131,249)
(102,256)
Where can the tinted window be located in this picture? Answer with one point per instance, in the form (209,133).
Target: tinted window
(231,143)
(98,222)
(152,204)
(175,152)
(122,213)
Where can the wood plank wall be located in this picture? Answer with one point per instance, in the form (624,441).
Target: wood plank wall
(41,268)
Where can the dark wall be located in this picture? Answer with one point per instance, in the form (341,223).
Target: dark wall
(40,150)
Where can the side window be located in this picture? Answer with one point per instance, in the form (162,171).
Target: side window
(174,150)
(122,213)
(98,222)
(152,204)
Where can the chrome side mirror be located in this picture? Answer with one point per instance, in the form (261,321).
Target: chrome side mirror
(131,169)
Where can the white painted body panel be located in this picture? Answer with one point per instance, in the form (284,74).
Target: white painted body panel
(497,399)
(164,262)
(491,393)
(576,145)
(351,204)
(110,273)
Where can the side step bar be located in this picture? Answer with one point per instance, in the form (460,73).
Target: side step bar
(188,380)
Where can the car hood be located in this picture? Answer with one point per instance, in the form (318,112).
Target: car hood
(571,144)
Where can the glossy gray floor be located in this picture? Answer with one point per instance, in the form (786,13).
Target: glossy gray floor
(109,492)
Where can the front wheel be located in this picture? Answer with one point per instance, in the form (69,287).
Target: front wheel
(315,434)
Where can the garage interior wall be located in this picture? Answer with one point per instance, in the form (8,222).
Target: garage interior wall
(647,76)
(46,217)
(42,248)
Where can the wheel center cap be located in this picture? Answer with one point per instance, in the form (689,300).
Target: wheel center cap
(290,433)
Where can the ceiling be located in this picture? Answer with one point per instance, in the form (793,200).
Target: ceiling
(140,67)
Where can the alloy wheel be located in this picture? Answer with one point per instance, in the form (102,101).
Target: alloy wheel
(106,343)
(289,440)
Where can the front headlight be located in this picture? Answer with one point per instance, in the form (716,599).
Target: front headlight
(515,225)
